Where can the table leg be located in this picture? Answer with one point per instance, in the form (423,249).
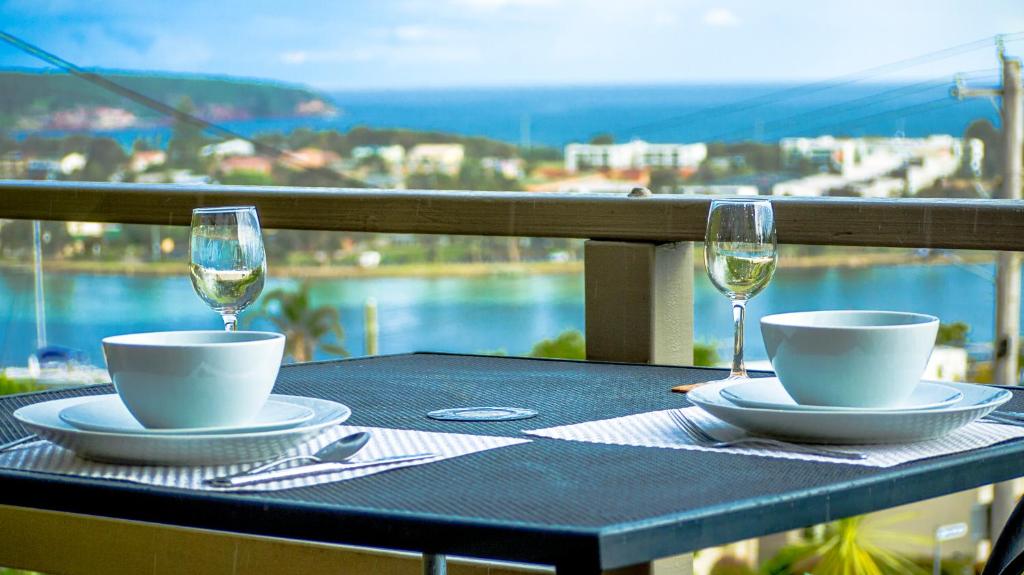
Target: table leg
(434,564)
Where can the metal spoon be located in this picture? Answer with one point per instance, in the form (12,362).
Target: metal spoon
(340,450)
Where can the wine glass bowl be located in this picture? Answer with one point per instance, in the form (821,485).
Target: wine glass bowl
(227,263)
(740,254)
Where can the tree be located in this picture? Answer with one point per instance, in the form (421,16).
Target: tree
(141,145)
(953,334)
(246,178)
(567,345)
(990,136)
(664,180)
(322,178)
(305,327)
(103,157)
(186,139)
(851,546)
(603,140)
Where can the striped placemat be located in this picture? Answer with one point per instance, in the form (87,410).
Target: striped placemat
(46,457)
(657,429)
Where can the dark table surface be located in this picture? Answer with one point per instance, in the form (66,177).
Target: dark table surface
(579,506)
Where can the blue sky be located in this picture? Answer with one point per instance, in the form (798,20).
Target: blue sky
(441,43)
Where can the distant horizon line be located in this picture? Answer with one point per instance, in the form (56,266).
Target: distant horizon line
(752,82)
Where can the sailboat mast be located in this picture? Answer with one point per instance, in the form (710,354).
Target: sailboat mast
(37,253)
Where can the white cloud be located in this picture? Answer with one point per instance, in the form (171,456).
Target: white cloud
(383,53)
(299,57)
(721,18)
(416,33)
(499,4)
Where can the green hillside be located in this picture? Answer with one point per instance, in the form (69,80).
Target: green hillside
(28,96)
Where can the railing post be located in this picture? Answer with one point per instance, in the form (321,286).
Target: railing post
(639,302)
(1005,368)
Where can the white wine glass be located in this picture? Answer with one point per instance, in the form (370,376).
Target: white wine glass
(227,263)
(740,253)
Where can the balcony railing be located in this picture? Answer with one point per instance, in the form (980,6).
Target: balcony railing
(638,262)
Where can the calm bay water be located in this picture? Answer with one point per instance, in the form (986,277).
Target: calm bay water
(508,313)
(556,116)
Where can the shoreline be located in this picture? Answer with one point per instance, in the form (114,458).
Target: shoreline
(170,268)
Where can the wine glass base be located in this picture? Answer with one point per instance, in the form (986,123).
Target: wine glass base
(688,387)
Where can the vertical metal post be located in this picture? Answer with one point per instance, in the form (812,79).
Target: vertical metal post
(1007,343)
(1005,369)
(434,564)
(370,327)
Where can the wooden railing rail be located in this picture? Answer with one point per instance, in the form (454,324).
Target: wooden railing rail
(963,224)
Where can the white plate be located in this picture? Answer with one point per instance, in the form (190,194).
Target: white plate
(853,427)
(44,420)
(108,413)
(767,392)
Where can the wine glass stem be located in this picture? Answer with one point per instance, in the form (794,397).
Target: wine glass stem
(230,322)
(739,310)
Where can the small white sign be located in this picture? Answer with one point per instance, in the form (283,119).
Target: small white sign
(951,531)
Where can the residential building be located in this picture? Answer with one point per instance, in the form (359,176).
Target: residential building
(869,167)
(716,190)
(393,155)
(235,147)
(143,159)
(112,119)
(72,163)
(13,165)
(509,168)
(310,158)
(946,363)
(257,164)
(826,153)
(43,169)
(635,154)
(590,183)
(811,186)
(436,158)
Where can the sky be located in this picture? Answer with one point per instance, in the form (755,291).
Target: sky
(401,44)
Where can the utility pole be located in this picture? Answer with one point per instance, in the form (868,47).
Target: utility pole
(1005,370)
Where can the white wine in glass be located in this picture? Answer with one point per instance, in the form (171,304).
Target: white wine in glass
(740,253)
(227,263)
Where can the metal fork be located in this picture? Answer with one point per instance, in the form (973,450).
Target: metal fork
(705,439)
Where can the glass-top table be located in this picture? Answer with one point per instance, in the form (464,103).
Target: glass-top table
(580,507)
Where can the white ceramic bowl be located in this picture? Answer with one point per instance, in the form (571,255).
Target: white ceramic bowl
(179,379)
(849,358)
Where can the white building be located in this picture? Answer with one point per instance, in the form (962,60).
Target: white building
(436,158)
(510,168)
(873,167)
(716,190)
(946,364)
(825,152)
(635,154)
(393,155)
(811,186)
(71,163)
(235,147)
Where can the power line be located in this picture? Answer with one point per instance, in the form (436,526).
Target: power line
(849,105)
(822,85)
(929,106)
(135,96)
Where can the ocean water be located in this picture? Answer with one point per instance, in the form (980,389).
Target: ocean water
(556,116)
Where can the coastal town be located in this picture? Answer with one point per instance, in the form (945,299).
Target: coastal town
(804,167)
